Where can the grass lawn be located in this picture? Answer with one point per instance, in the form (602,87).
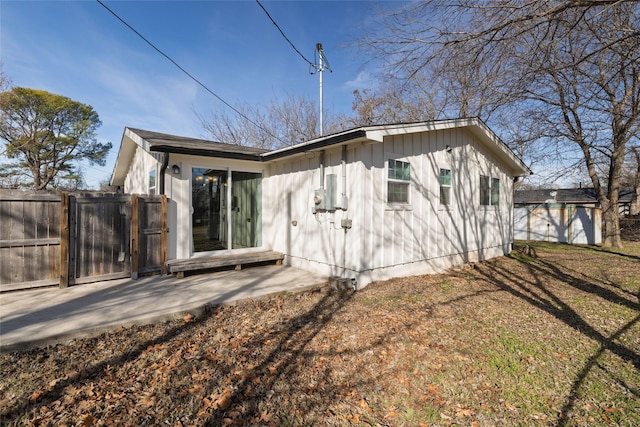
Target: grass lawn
(547,336)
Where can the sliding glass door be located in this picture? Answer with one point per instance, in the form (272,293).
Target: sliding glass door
(217,223)
(246,209)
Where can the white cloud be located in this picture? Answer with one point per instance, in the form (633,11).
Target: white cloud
(363,80)
(145,99)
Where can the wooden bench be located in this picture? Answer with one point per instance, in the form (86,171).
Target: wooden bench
(180,266)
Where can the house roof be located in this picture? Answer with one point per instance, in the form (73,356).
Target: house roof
(378,132)
(565,195)
(165,143)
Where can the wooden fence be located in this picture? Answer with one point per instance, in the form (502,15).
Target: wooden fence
(630,228)
(69,239)
(29,240)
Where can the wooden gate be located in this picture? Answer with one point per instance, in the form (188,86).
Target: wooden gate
(69,239)
(99,238)
(149,231)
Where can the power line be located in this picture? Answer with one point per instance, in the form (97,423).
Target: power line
(317,65)
(285,37)
(189,74)
(321,59)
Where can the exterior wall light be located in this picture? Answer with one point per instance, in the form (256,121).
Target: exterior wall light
(175,169)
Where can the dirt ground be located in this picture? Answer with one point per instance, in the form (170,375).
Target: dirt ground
(547,336)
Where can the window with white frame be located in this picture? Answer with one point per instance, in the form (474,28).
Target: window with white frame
(495,191)
(398,180)
(152,181)
(489,191)
(445,187)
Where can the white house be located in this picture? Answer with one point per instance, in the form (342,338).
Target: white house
(365,204)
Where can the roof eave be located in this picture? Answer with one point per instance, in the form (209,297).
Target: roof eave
(498,147)
(316,144)
(205,153)
(126,151)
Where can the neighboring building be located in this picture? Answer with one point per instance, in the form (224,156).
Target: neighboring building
(365,204)
(573,196)
(562,215)
(558,222)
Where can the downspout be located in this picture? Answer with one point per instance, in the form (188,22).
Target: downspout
(320,196)
(346,222)
(344,203)
(163,169)
(322,169)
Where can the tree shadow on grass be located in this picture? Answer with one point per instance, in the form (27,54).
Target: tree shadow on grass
(538,292)
(244,385)
(604,288)
(56,391)
(275,380)
(610,251)
(591,363)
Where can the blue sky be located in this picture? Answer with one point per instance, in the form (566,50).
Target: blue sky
(79,50)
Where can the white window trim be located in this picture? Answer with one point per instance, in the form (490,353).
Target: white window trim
(494,178)
(230,170)
(440,205)
(397,205)
(153,172)
(490,190)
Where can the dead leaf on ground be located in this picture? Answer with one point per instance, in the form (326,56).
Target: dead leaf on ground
(355,418)
(198,388)
(88,420)
(223,401)
(510,406)
(391,415)
(35,396)
(365,405)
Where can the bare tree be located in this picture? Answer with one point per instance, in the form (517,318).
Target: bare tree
(250,129)
(280,124)
(574,66)
(372,107)
(633,178)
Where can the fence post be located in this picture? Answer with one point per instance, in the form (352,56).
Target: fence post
(135,240)
(163,235)
(64,240)
(570,224)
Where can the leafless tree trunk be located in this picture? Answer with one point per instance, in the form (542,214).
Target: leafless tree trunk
(573,66)
(635,203)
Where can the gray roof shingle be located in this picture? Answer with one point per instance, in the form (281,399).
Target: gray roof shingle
(165,143)
(565,195)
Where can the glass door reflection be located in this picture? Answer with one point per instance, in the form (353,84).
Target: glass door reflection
(209,218)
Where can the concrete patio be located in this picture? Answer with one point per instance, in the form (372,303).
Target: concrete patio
(52,315)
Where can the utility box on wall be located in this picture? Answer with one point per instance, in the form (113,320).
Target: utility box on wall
(324,199)
(332,188)
(319,200)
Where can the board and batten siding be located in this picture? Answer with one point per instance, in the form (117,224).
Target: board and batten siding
(387,240)
(137,179)
(176,190)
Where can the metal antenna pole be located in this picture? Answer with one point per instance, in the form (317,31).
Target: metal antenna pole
(320,69)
